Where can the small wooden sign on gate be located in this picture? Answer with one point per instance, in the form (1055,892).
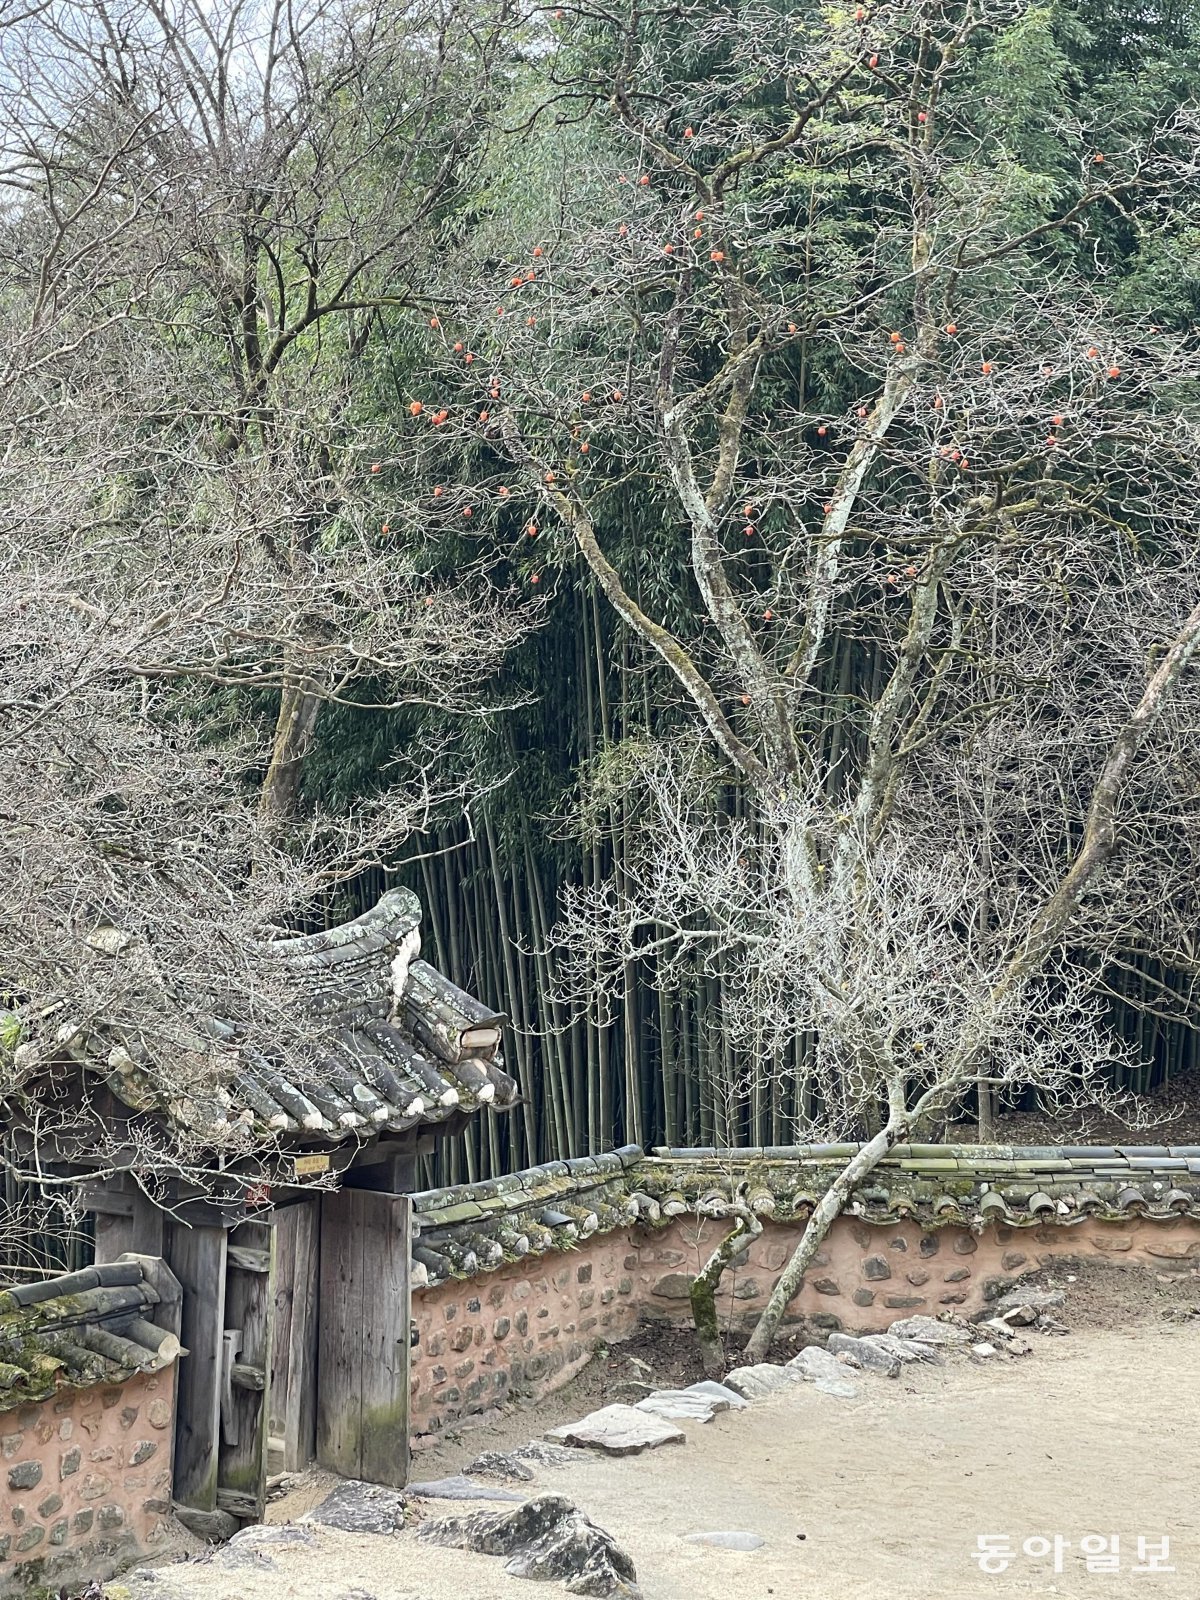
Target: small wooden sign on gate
(311,1166)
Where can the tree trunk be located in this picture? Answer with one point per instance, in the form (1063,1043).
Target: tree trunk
(826,1213)
(702,1291)
(299,707)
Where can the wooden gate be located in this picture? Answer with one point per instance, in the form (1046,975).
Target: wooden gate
(363,1343)
(294,1356)
(224,1384)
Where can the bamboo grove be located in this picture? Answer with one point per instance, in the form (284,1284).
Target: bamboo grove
(664,1072)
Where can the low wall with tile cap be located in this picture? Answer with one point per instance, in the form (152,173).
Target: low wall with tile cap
(85,1482)
(525,1329)
(516,1281)
(529,1327)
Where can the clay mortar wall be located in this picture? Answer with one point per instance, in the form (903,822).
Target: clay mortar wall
(530,1326)
(85,1482)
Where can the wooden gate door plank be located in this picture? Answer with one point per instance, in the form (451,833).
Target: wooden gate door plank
(294,1342)
(339,1342)
(386,1322)
(197,1258)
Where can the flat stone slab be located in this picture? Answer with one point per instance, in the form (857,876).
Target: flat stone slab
(518,1464)
(905,1350)
(820,1367)
(725,1398)
(257,1534)
(699,1402)
(619,1431)
(360,1508)
(731,1540)
(755,1383)
(460,1487)
(863,1353)
(930,1331)
(500,1464)
(677,1405)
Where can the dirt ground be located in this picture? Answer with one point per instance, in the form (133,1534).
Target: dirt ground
(878,1498)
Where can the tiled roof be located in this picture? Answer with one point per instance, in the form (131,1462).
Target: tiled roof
(79,1330)
(478,1227)
(391,1043)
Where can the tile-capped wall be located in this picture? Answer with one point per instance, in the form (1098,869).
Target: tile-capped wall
(526,1328)
(531,1325)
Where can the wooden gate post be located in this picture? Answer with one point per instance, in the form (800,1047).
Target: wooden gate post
(363,1345)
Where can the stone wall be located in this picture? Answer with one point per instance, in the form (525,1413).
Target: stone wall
(527,1328)
(86,1482)
(532,1324)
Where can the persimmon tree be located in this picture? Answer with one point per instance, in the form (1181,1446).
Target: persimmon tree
(827,319)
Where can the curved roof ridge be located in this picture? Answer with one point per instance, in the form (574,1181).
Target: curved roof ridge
(393,916)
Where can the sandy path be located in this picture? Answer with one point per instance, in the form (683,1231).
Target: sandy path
(1096,1433)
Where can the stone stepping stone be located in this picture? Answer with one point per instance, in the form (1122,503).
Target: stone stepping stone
(460,1487)
(904,1350)
(619,1431)
(257,1534)
(733,1539)
(830,1375)
(864,1353)
(357,1507)
(500,1464)
(699,1402)
(725,1398)
(929,1331)
(757,1382)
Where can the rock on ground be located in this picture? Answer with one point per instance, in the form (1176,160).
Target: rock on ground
(930,1331)
(256,1535)
(725,1398)
(862,1353)
(460,1487)
(519,1463)
(248,1551)
(823,1369)
(546,1538)
(360,1508)
(215,1526)
(699,1402)
(500,1464)
(755,1383)
(731,1540)
(618,1430)
(903,1349)
(1020,1316)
